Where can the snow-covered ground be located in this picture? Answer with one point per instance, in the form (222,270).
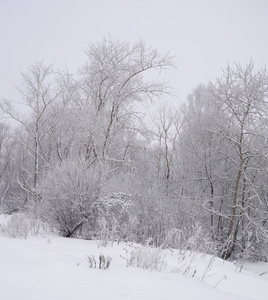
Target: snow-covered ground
(51,267)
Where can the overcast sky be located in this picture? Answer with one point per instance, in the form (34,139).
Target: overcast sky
(203,34)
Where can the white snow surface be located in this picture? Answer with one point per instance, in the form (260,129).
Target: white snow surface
(52,267)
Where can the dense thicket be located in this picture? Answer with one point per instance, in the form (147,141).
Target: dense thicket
(84,160)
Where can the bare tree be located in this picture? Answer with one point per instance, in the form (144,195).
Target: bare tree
(100,122)
(165,136)
(113,81)
(242,95)
(9,162)
(223,161)
(37,96)
(202,156)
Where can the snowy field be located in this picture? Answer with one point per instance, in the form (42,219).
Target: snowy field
(52,267)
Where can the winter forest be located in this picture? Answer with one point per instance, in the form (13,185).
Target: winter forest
(83,153)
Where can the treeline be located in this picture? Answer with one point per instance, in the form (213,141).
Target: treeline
(85,160)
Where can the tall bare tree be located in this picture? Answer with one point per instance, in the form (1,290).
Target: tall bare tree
(242,95)
(37,98)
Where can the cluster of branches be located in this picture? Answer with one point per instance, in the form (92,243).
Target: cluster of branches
(84,160)
(224,145)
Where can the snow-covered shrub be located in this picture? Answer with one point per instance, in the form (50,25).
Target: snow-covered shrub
(155,215)
(21,225)
(91,261)
(107,231)
(104,261)
(146,257)
(114,218)
(68,196)
(200,240)
(18,226)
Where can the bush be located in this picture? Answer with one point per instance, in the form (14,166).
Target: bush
(104,261)
(67,196)
(114,218)
(22,225)
(146,257)
(17,227)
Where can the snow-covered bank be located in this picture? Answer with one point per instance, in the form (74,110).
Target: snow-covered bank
(52,267)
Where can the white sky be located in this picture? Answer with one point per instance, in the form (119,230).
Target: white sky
(203,34)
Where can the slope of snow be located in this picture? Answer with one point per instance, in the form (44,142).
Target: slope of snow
(56,268)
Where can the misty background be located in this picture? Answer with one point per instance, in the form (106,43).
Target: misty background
(204,35)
